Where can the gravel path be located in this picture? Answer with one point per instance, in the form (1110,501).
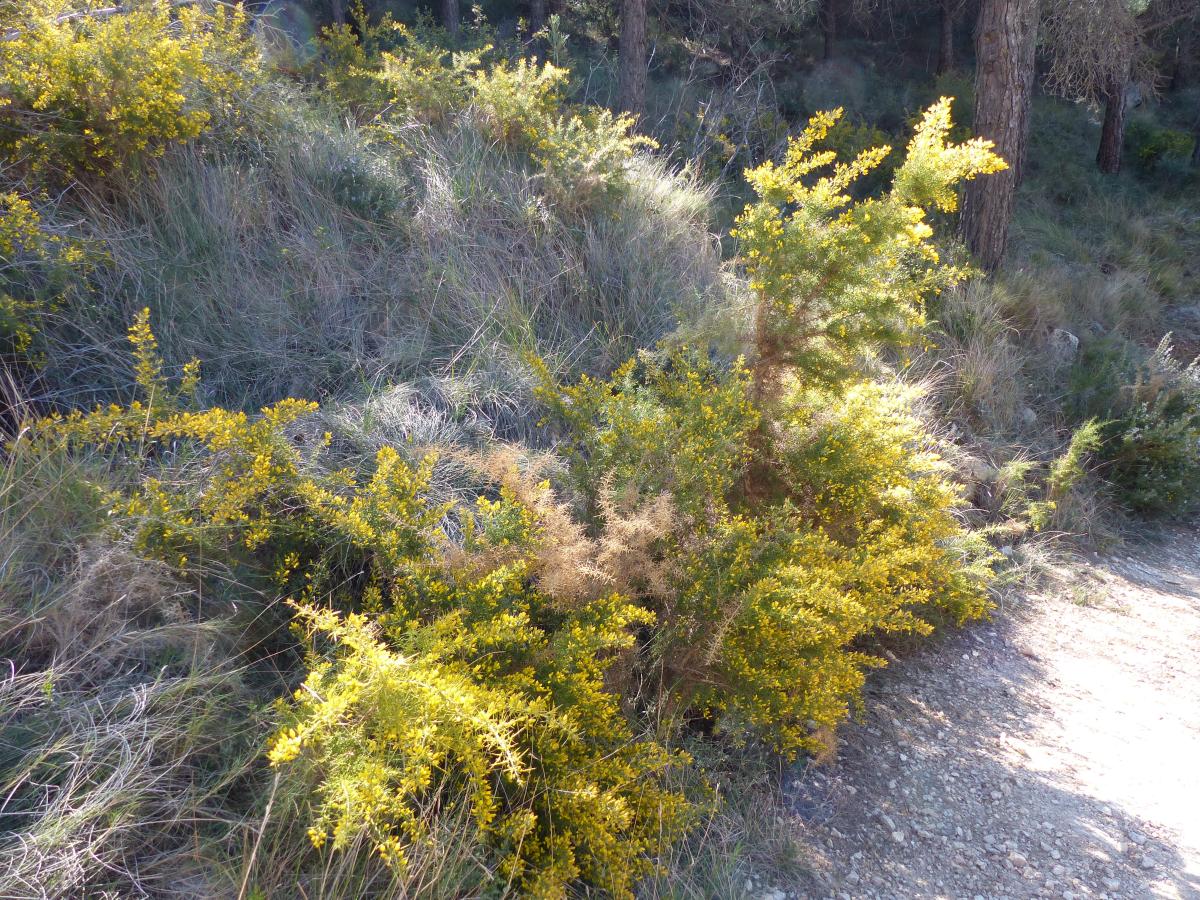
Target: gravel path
(1053,751)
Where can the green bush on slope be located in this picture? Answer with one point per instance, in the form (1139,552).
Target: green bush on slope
(490,658)
(494,662)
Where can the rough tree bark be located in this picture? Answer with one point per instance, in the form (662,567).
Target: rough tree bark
(450,18)
(829,26)
(1183,73)
(537,15)
(946,46)
(1112,132)
(337,9)
(631,79)
(1005,40)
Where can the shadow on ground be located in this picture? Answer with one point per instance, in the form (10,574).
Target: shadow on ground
(977,772)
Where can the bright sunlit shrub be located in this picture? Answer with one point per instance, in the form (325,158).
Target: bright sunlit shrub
(96,94)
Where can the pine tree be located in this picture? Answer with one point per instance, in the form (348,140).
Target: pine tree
(1005,40)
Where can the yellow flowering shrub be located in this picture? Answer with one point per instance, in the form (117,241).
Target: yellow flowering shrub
(678,425)
(503,660)
(519,104)
(33,263)
(770,597)
(20,235)
(835,276)
(814,511)
(440,675)
(97,93)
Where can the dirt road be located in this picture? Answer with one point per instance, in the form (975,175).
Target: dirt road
(1051,752)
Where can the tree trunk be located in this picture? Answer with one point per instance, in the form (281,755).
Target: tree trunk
(450,17)
(829,25)
(631,85)
(946,48)
(1196,146)
(337,10)
(1005,40)
(1183,72)
(537,15)
(1112,133)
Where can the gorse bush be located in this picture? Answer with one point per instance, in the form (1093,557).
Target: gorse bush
(36,263)
(466,683)
(764,601)
(20,237)
(484,647)
(520,104)
(836,277)
(507,664)
(91,94)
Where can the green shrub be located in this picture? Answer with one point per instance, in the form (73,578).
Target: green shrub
(1151,145)
(92,94)
(467,688)
(1151,407)
(1153,451)
(1066,471)
(583,152)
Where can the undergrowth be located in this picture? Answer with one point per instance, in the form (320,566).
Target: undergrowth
(583,515)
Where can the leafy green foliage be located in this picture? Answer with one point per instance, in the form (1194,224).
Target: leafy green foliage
(835,276)
(450,680)
(519,104)
(1150,404)
(1066,471)
(1151,145)
(98,94)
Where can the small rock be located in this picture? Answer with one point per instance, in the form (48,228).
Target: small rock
(1018,859)
(898,836)
(977,469)
(1027,416)
(1063,347)
(1112,884)
(1146,862)
(1137,837)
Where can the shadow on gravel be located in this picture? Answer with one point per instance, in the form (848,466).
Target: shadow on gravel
(942,791)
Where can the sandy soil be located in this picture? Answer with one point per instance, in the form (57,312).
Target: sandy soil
(1053,751)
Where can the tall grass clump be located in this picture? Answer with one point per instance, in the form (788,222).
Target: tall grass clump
(351,262)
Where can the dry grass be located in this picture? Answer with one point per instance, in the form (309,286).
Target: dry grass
(317,261)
